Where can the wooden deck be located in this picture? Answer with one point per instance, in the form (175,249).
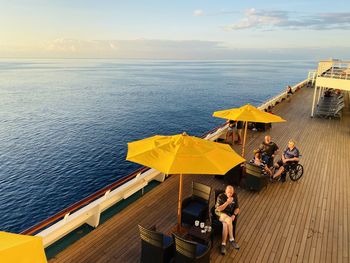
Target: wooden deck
(304,221)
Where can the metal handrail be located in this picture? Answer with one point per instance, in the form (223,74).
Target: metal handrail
(34,229)
(87,200)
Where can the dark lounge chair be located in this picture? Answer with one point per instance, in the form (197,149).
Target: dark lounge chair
(215,222)
(155,246)
(189,251)
(196,207)
(255,180)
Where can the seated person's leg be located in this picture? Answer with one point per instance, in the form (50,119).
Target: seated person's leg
(228,221)
(268,170)
(222,219)
(283,176)
(278,164)
(280,169)
(287,166)
(279,172)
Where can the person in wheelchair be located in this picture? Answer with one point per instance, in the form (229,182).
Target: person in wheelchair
(289,157)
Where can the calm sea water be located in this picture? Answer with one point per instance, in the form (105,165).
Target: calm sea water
(64,124)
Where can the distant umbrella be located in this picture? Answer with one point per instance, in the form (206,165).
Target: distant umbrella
(247,113)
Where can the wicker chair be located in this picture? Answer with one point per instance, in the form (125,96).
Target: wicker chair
(254,178)
(155,246)
(196,207)
(189,251)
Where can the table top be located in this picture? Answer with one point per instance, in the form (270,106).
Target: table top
(196,233)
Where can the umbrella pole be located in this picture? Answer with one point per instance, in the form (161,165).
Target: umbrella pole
(179,205)
(245,137)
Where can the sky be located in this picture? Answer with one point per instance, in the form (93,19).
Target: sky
(181,29)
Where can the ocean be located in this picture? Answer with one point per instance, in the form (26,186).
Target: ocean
(65,123)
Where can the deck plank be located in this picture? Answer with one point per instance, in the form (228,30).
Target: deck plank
(304,221)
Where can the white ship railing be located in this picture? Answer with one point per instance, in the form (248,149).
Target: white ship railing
(88,211)
(337,69)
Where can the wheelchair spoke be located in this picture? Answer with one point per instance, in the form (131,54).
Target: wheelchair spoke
(296,172)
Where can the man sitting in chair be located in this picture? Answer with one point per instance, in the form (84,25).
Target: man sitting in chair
(268,150)
(227,209)
(289,156)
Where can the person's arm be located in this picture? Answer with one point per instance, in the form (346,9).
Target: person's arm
(276,151)
(261,148)
(295,158)
(267,169)
(284,159)
(221,205)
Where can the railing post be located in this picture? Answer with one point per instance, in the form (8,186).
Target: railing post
(332,70)
(319,94)
(313,102)
(66,217)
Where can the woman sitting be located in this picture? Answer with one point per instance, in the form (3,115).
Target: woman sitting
(259,162)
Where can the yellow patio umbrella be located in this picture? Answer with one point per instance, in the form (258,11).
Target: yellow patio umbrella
(247,113)
(16,248)
(183,154)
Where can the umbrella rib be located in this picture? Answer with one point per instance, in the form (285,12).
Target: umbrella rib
(173,158)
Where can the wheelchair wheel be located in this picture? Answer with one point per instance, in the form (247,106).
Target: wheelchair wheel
(296,173)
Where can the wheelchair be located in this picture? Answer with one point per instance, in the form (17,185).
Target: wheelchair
(294,170)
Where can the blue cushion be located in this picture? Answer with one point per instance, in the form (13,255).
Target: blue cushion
(167,240)
(200,250)
(194,208)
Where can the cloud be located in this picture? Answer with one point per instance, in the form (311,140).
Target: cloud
(275,19)
(77,46)
(198,12)
(221,12)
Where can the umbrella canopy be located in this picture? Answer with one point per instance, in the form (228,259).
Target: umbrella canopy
(183,154)
(247,113)
(16,248)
